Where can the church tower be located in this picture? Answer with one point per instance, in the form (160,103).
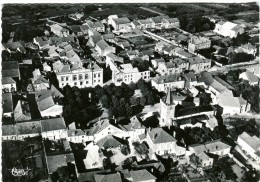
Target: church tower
(167,109)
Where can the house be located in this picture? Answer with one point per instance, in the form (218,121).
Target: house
(7,105)
(42,42)
(204,159)
(103,128)
(78,136)
(8,84)
(39,82)
(182,64)
(143,24)
(190,80)
(198,64)
(250,77)
(170,23)
(28,129)
(228,29)
(9,132)
(216,147)
(197,42)
(142,175)
(47,107)
(46,67)
(232,105)
(76,30)
(250,145)
(254,69)
(155,62)
(160,46)
(134,129)
(168,68)
(103,48)
(81,77)
(22,111)
(14,47)
(110,141)
(98,26)
(56,161)
(247,48)
(163,83)
(127,73)
(53,128)
(11,69)
(116,177)
(59,30)
(181,53)
(121,23)
(94,158)
(158,20)
(161,142)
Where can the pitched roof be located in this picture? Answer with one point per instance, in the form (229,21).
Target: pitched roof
(142,175)
(8,130)
(10,69)
(252,141)
(108,177)
(77,132)
(123,20)
(53,124)
(168,78)
(45,103)
(56,161)
(102,44)
(228,101)
(251,77)
(7,102)
(158,135)
(7,80)
(110,142)
(31,127)
(198,148)
(216,145)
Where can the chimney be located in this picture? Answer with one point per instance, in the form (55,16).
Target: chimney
(174,134)
(115,121)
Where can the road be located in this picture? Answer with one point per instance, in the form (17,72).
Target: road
(151,10)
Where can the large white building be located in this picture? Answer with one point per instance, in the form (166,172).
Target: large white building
(80,77)
(228,29)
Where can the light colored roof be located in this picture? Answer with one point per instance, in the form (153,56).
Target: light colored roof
(218,86)
(252,141)
(53,124)
(7,80)
(216,145)
(251,76)
(142,175)
(57,27)
(168,78)
(158,135)
(228,101)
(228,25)
(108,177)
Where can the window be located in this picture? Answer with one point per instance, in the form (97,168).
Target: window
(74,77)
(94,81)
(81,83)
(67,78)
(80,77)
(62,78)
(86,82)
(75,83)
(95,75)
(98,80)
(86,76)
(98,74)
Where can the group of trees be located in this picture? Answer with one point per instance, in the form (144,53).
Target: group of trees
(240,125)
(119,99)
(196,24)
(78,106)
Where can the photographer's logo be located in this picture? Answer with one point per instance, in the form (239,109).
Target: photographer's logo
(20,172)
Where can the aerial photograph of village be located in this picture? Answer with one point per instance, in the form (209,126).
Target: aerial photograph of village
(121,92)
